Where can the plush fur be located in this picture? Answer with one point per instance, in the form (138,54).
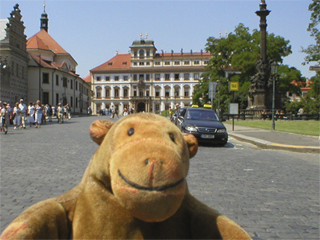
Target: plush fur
(134,188)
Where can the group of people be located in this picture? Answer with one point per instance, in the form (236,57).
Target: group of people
(114,112)
(21,114)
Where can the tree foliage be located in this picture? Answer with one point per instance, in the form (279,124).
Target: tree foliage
(313,50)
(237,53)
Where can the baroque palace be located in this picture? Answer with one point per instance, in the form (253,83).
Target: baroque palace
(38,68)
(146,80)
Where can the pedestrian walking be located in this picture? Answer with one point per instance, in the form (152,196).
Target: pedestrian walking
(53,111)
(5,118)
(23,107)
(60,112)
(125,112)
(68,111)
(116,110)
(16,116)
(38,114)
(31,112)
(112,111)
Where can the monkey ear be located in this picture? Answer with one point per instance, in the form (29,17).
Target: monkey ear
(192,143)
(99,129)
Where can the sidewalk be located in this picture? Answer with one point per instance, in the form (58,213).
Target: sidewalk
(269,139)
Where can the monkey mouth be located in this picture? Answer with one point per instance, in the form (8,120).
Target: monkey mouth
(161,188)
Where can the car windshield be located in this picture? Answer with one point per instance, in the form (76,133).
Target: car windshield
(202,115)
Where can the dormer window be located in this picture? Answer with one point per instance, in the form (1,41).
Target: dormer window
(141,54)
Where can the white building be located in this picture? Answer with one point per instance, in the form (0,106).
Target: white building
(52,73)
(146,80)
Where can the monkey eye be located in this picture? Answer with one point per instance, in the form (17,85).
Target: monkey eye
(130,131)
(172,137)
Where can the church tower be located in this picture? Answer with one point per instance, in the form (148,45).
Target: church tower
(44,19)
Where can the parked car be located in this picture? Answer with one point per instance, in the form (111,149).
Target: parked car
(204,124)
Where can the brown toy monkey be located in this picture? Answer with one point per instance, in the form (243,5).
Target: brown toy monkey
(134,188)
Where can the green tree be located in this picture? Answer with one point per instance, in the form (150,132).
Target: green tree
(313,96)
(286,76)
(237,54)
(313,50)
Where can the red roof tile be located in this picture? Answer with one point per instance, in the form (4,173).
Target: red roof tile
(42,40)
(123,61)
(87,79)
(120,61)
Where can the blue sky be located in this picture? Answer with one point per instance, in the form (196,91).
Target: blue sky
(92,31)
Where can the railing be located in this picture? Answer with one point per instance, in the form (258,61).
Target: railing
(245,114)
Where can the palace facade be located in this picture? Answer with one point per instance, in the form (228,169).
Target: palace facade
(146,80)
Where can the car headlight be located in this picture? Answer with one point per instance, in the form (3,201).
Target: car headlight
(223,130)
(191,129)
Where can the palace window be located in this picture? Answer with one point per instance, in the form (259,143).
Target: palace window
(176,62)
(196,76)
(98,92)
(157,63)
(65,82)
(186,76)
(176,76)
(166,63)
(116,92)
(141,54)
(186,91)
(167,93)
(125,78)
(57,80)
(98,78)
(196,62)
(186,62)
(157,76)
(116,78)
(125,92)
(157,92)
(107,78)
(167,76)
(107,92)
(45,78)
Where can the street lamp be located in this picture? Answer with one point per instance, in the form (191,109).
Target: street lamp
(274,70)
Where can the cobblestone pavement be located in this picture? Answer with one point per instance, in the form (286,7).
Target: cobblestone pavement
(272,194)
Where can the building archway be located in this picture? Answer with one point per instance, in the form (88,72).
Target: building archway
(141,107)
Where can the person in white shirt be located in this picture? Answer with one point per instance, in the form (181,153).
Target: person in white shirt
(17,116)
(31,112)
(23,107)
(39,113)
(60,112)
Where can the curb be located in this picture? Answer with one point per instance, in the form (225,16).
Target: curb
(276,146)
